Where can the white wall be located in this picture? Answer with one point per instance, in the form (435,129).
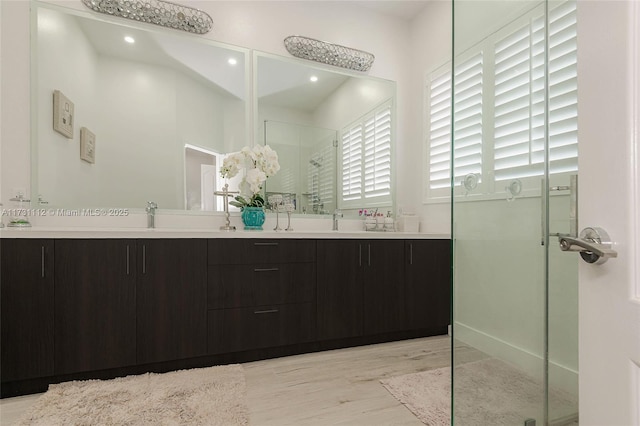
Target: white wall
(338,111)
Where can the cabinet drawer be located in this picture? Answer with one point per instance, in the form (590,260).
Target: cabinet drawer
(236,286)
(232,330)
(260,251)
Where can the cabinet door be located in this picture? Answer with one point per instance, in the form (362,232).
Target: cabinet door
(383,286)
(428,280)
(94,304)
(26,311)
(171,299)
(339,283)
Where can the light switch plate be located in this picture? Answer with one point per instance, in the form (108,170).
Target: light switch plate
(87,145)
(63,114)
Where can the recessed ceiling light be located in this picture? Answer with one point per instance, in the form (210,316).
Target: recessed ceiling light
(129,39)
(232,61)
(313,78)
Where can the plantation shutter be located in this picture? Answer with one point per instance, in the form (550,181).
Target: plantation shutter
(519,98)
(366,158)
(352,163)
(377,154)
(440,132)
(467,126)
(563,88)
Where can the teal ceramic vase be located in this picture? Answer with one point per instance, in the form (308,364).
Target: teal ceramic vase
(253,218)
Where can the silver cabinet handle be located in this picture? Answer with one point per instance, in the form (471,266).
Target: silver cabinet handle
(144,259)
(410,253)
(266,269)
(127,259)
(265,244)
(267,311)
(593,244)
(42,261)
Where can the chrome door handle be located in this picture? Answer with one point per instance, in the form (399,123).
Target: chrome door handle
(593,244)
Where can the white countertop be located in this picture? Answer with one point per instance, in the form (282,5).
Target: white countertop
(199,226)
(90,232)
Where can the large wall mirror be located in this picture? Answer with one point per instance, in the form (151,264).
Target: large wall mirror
(309,114)
(152,120)
(161,108)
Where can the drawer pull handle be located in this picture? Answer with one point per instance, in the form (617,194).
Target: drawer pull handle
(266,269)
(268,311)
(265,244)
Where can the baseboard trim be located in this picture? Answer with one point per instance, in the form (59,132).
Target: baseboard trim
(560,376)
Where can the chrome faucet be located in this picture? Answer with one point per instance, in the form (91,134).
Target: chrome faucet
(336,213)
(151,214)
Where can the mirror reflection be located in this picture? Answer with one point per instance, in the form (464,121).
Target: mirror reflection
(163,108)
(147,114)
(307,176)
(328,128)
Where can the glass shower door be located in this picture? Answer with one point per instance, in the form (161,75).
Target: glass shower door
(514,150)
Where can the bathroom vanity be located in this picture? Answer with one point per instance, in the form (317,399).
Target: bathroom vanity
(76,306)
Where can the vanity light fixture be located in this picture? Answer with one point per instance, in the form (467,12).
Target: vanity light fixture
(157,12)
(328,53)
(130,39)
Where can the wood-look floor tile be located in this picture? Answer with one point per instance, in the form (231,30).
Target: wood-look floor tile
(338,387)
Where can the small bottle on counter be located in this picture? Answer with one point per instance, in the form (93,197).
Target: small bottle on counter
(389,223)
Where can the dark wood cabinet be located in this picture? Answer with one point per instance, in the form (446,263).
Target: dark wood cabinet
(261,293)
(383,286)
(95,304)
(360,287)
(428,284)
(171,299)
(26,308)
(340,308)
(79,308)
